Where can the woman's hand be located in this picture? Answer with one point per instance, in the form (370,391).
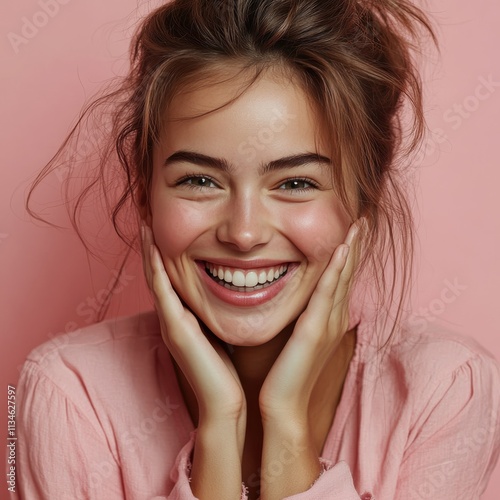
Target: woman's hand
(216,470)
(286,393)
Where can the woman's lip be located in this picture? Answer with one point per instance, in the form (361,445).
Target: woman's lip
(245,299)
(246,264)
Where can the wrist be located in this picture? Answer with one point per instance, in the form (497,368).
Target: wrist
(293,411)
(290,462)
(287,423)
(218,414)
(222,432)
(216,462)
(294,435)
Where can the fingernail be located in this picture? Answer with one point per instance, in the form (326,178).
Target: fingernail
(353,233)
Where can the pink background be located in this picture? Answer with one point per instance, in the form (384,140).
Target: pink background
(46,284)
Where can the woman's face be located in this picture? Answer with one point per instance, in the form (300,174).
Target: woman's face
(242,205)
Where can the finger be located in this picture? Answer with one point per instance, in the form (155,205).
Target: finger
(181,331)
(327,297)
(341,265)
(347,275)
(147,241)
(182,327)
(201,362)
(313,326)
(319,307)
(164,294)
(327,284)
(328,301)
(339,313)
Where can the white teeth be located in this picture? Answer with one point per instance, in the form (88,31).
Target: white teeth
(251,279)
(238,278)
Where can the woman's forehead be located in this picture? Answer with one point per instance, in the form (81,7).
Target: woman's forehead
(269,114)
(219,87)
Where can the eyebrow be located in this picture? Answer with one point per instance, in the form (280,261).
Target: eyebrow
(202,160)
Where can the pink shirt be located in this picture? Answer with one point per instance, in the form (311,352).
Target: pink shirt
(100,416)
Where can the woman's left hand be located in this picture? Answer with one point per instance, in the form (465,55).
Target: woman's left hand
(286,392)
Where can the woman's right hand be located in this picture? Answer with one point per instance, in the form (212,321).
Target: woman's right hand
(213,379)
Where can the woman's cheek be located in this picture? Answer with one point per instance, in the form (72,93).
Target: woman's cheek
(175,226)
(317,231)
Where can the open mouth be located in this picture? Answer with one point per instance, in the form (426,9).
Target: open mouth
(248,280)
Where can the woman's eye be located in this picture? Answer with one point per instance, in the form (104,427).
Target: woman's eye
(197,181)
(297,185)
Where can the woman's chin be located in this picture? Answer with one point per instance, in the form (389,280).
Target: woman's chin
(247,340)
(242,334)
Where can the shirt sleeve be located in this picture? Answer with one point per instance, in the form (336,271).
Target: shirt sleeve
(335,482)
(64,453)
(61,453)
(454,446)
(181,473)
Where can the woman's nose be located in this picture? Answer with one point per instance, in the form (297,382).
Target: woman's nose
(244,223)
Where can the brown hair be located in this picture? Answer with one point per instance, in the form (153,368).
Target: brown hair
(354,59)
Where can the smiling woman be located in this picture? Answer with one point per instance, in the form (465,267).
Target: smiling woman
(260,145)
(267,214)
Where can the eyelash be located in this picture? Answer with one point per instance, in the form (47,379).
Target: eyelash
(313,185)
(188,177)
(184,181)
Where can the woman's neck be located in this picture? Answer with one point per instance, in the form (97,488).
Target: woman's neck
(253,363)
